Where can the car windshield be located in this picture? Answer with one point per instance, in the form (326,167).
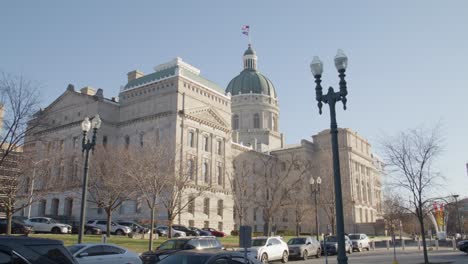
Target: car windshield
(354,236)
(332,239)
(173,244)
(75,248)
(258,242)
(52,221)
(184,259)
(297,241)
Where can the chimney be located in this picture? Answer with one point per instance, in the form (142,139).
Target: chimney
(88,90)
(134,75)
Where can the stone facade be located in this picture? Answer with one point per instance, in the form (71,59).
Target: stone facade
(211,129)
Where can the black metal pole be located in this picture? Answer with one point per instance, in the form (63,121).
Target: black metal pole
(331,98)
(316,213)
(87,146)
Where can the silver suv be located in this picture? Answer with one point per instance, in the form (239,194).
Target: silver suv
(117,229)
(360,241)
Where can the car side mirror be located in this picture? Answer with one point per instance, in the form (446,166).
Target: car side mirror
(309,243)
(48,222)
(269,244)
(84,254)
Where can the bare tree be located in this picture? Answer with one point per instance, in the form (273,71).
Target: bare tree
(276,177)
(109,186)
(180,189)
(149,167)
(301,203)
(241,185)
(393,211)
(410,158)
(327,201)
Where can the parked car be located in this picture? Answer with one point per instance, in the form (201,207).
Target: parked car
(268,249)
(332,245)
(207,257)
(103,254)
(89,229)
(360,241)
(48,225)
(136,228)
(21,249)
(17,227)
(214,232)
(117,229)
(463,246)
(177,244)
(184,229)
(164,231)
(303,247)
(200,232)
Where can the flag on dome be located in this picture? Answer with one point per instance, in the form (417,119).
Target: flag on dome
(245,29)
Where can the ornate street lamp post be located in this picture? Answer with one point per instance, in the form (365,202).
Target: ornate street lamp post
(315,189)
(316,66)
(87,146)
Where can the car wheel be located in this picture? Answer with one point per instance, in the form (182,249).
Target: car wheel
(55,230)
(284,259)
(177,235)
(305,255)
(350,250)
(359,249)
(119,232)
(264,258)
(319,253)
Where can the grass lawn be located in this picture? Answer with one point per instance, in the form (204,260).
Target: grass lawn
(136,245)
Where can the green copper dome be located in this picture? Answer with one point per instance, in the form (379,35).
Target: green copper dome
(250,80)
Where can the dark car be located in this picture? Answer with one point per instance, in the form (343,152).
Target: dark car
(136,228)
(17,227)
(207,257)
(174,245)
(332,245)
(27,250)
(187,231)
(214,232)
(463,246)
(200,231)
(89,230)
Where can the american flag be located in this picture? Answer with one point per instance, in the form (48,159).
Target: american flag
(245,29)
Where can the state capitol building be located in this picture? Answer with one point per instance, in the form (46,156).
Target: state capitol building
(220,132)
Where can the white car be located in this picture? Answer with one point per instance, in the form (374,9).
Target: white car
(360,241)
(48,225)
(103,254)
(117,229)
(268,249)
(164,230)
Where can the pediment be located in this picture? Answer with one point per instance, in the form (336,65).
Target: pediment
(207,114)
(68,99)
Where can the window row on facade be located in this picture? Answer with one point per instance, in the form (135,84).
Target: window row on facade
(206,175)
(191,206)
(206,142)
(273,125)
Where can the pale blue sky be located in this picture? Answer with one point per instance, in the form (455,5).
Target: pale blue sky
(407,59)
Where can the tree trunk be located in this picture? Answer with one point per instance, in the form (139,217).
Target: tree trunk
(169,224)
(108,225)
(150,247)
(9,216)
(423,234)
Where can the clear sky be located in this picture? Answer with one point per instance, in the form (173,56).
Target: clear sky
(408,60)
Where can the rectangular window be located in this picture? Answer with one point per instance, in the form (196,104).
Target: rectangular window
(191,223)
(220,226)
(104,141)
(206,206)
(61,145)
(255,214)
(75,142)
(220,175)
(220,207)
(190,139)
(219,147)
(191,205)
(206,224)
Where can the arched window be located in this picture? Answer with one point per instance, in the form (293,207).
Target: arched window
(220,207)
(68,206)
(54,206)
(235,122)
(42,208)
(206,145)
(205,173)
(256,121)
(369,193)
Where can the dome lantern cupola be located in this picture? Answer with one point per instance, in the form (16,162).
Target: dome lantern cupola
(250,59)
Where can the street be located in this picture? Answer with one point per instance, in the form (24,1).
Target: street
(383,256)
